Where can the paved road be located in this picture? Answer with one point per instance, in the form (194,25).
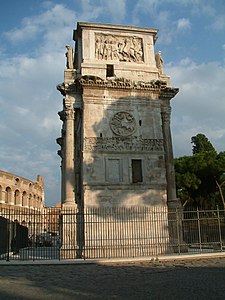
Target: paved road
(182,279)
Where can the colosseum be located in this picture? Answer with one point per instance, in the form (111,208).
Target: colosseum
(19,192)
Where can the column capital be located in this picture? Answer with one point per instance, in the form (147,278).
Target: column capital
(67,114)
(166,113)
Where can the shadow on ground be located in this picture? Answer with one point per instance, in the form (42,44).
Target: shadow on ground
(197,279)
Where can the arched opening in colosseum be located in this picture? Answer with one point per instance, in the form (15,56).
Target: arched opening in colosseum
(34,201)
(8,195)
(24,199)
(30,201)
(17,197)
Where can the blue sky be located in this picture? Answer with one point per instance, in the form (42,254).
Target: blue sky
(32,59)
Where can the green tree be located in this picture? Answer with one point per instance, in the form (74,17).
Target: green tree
(198,176)
(201,144)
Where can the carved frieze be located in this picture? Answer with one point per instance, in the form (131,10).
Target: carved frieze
(123,83)
(119,48)
(122,144)
(123,124)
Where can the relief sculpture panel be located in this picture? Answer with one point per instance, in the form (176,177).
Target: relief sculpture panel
(123,124)
(122,144)
(120,48)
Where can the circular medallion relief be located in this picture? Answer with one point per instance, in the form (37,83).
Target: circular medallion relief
(123,124)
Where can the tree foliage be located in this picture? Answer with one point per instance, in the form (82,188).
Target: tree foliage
(197,175)
(201,144)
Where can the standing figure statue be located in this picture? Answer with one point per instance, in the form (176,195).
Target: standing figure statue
(159,62)
(69,56)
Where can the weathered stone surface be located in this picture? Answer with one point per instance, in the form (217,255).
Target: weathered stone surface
(18,192)
(115,141)
(116,145)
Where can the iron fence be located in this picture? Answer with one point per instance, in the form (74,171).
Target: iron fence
(108,232)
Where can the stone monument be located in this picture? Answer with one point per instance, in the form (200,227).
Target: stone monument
(116,146)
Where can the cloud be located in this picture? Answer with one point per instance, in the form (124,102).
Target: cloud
(199,105)
(117,10)
(183,24)
(104,9)
(29,100)
(91,10)
(50,21)
(170,16)
(219,23)
(29,123)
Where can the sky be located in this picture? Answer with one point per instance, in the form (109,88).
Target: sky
(33,35)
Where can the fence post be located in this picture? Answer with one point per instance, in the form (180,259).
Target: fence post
(8,236)
(219,227)
(178,229)
(80,232)
(199,231)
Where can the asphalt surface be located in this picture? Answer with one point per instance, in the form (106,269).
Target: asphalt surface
(174,279)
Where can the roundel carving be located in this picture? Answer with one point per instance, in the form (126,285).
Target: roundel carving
(123,124)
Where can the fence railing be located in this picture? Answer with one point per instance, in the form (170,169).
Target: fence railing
(109,232)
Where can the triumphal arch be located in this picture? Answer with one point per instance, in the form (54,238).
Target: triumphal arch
(116,148)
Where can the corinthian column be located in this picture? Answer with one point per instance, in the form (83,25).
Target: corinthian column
(174,204)
(172,200)
(69,180)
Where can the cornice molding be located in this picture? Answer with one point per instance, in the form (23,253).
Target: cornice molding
(166,92)
(122,83)
(67,88)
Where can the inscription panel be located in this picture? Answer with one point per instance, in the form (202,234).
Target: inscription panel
(122,144)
